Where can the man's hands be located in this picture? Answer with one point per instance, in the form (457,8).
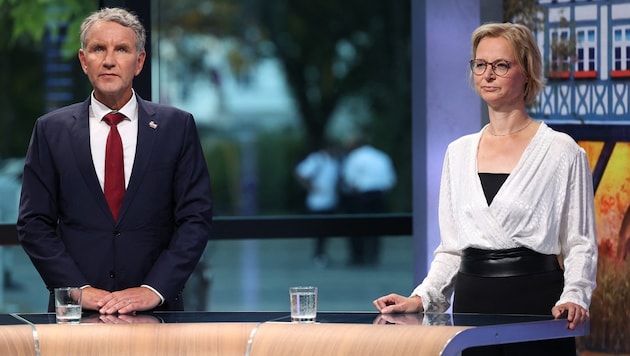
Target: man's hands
(120,302)
(394,303)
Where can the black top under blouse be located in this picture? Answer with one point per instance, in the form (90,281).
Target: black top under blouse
(491,183)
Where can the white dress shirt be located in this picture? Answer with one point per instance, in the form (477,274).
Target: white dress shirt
(128,129)
(368,169)
(546,204)
(322,171)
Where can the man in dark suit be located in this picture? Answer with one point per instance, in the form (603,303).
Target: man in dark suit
(136,254)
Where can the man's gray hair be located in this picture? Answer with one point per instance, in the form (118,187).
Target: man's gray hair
(121,17)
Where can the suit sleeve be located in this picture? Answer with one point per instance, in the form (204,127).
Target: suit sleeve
(39,215)
(193,218)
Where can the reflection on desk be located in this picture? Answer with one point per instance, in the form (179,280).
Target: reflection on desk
(271,333)
(163,317)
(427,319)
(445,319)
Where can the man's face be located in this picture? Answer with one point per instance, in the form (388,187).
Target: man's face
(110,60)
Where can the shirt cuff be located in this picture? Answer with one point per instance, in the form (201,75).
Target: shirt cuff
(156,292)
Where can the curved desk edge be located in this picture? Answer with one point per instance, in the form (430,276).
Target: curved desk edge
(290,339)
(511,333)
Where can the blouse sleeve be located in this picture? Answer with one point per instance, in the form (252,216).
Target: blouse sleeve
(578,239)
(436,289)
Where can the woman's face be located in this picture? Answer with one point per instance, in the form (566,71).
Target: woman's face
(497,91)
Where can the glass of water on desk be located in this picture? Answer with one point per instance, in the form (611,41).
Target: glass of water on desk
(68,305)
(303,304)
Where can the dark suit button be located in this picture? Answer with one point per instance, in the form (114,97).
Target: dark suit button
(117,233)
(112,274)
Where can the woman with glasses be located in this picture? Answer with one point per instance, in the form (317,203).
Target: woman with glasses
(516,207)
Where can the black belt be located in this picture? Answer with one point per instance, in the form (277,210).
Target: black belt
(506,263)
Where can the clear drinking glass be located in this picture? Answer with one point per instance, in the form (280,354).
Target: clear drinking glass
(303,304)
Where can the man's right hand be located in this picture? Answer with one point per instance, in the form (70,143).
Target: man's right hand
(91,296)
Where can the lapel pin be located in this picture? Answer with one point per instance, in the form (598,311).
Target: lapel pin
(153,125)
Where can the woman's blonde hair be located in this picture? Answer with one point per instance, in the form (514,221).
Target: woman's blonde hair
(525,51)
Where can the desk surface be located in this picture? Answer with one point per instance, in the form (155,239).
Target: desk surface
(443,319)
(457,331)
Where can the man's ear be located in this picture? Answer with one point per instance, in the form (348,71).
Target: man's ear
(81,56)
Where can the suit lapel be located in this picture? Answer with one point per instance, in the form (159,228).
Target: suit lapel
(147,134)
(80,133)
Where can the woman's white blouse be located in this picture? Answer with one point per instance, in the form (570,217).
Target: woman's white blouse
(546,204)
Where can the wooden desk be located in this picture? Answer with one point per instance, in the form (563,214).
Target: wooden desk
(262,333)
(17,340)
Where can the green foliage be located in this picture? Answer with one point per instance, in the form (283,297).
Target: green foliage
(30,19)
(25,24)
(526,12)
(274,188)
(329,50)
(22,102)
(279,191)
(222,157)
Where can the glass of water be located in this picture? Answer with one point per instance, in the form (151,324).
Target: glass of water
(68,305)
(303,304)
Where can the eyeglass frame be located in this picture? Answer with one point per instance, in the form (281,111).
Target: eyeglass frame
(494,64)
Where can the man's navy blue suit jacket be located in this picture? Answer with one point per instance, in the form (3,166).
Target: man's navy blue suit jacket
(67,229)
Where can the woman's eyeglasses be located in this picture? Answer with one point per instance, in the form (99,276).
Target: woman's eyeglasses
(500,67)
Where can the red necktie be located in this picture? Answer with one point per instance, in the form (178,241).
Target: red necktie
(114,165)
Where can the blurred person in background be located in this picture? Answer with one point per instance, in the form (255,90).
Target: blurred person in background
(367,175)
(318,174)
